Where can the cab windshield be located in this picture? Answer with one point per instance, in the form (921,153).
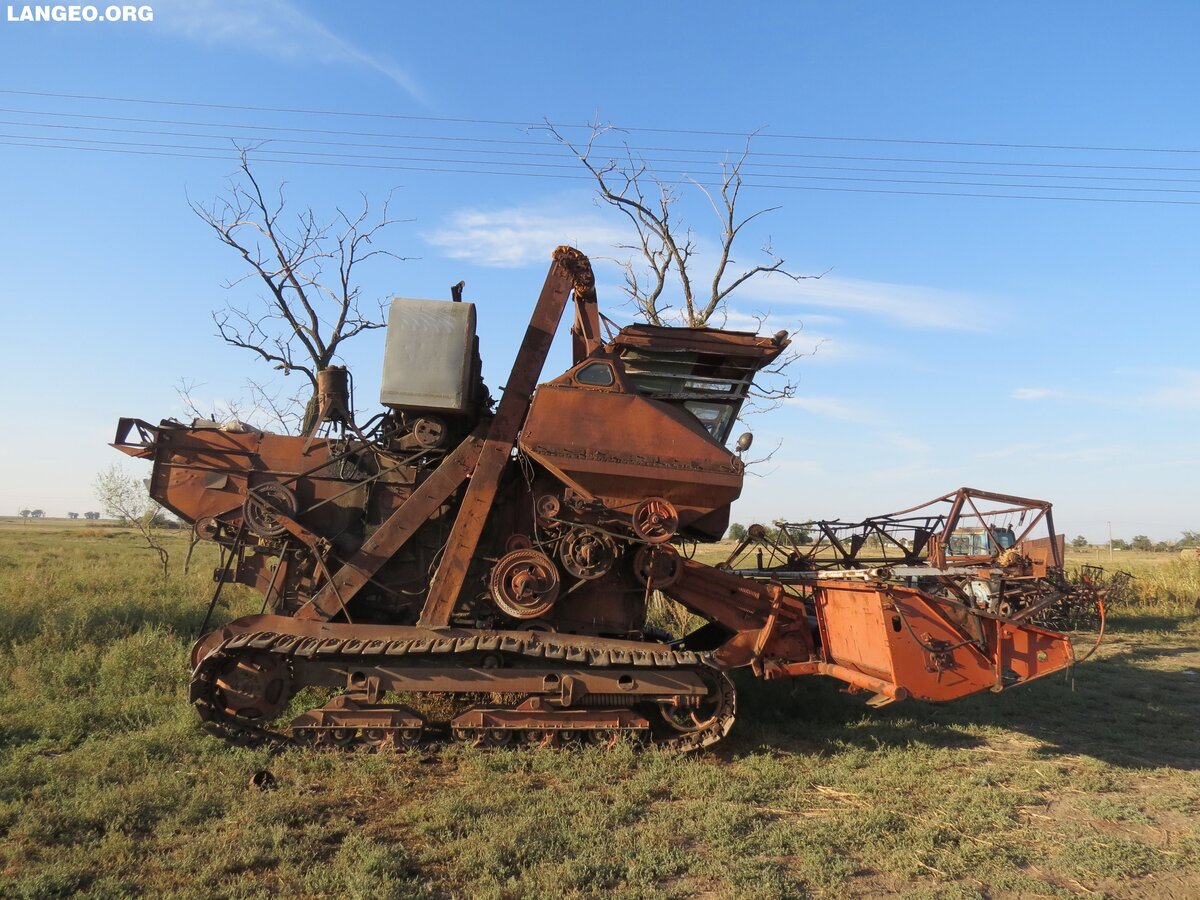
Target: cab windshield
(711,387)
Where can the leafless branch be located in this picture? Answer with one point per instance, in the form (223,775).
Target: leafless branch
(307,268)
(263,405)
(667,246)
(126,497)
(750,463)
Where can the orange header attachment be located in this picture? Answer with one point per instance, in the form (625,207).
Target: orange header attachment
(901,642)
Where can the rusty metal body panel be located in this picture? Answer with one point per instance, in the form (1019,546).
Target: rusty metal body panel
(906,640)
(622,448)
(514,552)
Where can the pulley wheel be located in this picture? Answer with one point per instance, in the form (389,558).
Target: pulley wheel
(548,506)
(207,528)
(587,554)
(524,583)
(429,432)
(262,506)
(655,520)
(518,542)
(702,714)
(657,566)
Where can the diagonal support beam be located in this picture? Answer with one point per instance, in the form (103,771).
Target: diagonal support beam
(497,449)
(394,532)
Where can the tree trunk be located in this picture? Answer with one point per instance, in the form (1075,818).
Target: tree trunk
(310,416)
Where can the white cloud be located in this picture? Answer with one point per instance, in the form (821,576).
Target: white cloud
(834,408)
(908,443)
(811,318)
(1183,393)
(273,28)
(518,236)
(1082,449)
(1034,393)
(913,306)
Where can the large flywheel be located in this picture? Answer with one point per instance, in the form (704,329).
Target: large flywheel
(524,583)
(587,554)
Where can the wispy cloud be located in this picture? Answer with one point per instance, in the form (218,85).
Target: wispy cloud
(1035,393)
(277,29)
(1083,449)
(834,408)
(1182,392)
(912,306)
(908,443)
(519,236)
(1150,387)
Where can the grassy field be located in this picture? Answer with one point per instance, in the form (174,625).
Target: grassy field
(1088,785)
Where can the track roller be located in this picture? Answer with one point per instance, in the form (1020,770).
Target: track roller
(546,727)
(344,723)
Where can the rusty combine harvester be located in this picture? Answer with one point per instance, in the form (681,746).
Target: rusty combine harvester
(507,557)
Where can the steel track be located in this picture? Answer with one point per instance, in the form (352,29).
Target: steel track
(550,650)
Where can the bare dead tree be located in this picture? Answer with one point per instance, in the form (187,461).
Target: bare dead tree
(194,538)
(312,303)
(125,497)
(665,250)
(666,245)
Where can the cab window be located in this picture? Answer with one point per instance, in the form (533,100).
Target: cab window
(597,374)
(709,386)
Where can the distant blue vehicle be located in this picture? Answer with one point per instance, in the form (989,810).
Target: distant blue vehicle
(978,542)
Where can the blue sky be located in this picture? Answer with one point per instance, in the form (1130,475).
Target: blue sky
(1039,347)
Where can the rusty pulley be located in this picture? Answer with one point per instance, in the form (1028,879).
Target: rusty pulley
(548,507)
(587,554)
(657,566)
(263,505)
(524,583)
(253,685)
(655,520)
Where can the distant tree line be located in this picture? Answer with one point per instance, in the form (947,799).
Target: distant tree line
(1143,542)
(41,514)
(802,534)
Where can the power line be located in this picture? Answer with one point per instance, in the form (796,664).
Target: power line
(657,161)
(623,128)
(492,156)
(683,173)
(231,156)
(725,153)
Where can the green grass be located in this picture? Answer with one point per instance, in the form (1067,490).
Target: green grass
(108,787)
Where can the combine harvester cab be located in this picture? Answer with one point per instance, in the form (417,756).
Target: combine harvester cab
(447,547)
